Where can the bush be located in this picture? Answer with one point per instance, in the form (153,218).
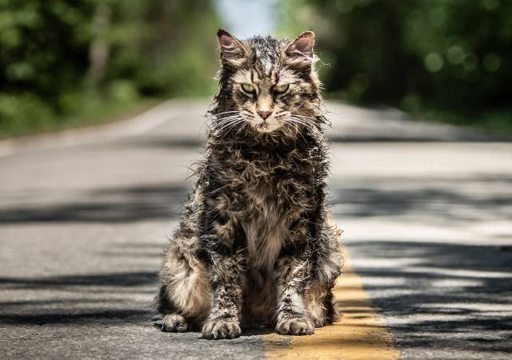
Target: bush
(22,112)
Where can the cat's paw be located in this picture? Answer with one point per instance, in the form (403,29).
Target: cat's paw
(319,322)
(174,323)
(295,326)
(221,329)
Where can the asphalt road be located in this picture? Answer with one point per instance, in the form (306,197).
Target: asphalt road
(84,217)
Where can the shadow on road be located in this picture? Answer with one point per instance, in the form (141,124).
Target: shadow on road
(444,295)
(81,318)
(426,199)
(433,199)
(59,282)
(102,298)
(108,205)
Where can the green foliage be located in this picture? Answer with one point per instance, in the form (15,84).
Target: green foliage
(466,47)
(22,111)
(175,51)
(60,58)
(450,55)
(43,49)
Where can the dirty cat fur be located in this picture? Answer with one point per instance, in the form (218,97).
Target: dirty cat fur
(254,246)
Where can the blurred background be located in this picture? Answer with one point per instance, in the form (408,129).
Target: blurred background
(73,63)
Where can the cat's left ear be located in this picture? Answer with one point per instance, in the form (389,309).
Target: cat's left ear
(231,49)
(302,45)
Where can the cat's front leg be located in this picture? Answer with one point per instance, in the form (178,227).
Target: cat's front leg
(294,274)
(227,275)
(292,316)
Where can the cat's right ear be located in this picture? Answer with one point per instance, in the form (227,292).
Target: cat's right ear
(302,46)
(232,51)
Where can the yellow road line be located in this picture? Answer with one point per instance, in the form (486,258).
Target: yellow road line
(359,334)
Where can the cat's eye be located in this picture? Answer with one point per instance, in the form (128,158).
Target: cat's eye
(281,89)
(248,88)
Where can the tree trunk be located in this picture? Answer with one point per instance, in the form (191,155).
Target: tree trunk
(99,48)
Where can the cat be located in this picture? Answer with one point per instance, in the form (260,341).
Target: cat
(255,247)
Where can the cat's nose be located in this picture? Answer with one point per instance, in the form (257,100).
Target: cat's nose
(264,114)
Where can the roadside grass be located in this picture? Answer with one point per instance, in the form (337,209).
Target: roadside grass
(29,117)
(496,123)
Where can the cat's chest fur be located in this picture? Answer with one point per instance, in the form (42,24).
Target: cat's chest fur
(265,224)
(268,194)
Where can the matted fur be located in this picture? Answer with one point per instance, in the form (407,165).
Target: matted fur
(254,246)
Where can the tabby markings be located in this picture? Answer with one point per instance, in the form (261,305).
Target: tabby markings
(359,334)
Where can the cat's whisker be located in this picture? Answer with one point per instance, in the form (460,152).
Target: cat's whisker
(227,121)
(230,124)
(236,116)
(301,122)
(224,129)
(305,117)
(221,122)
(311,123)
(232,116)
(297,119)
(226,112)
(320,119)
(244,125)
(295,125)
(234,126)
(224,126)
(228,117)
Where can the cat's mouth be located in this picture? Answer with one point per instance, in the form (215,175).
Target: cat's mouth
(266,126)
(263,127)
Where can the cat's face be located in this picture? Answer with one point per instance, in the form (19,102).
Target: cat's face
(268,85)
